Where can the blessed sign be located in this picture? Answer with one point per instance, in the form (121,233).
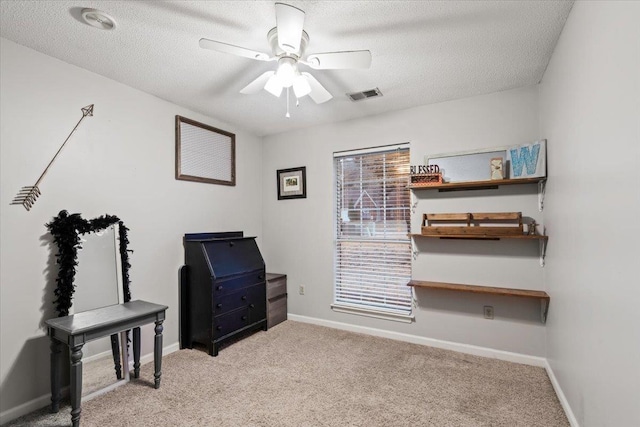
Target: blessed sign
(425,175)
(424,169)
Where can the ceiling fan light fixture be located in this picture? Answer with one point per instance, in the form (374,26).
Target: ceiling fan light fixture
(286,71)
(301,86)
(288,41)
(274,86)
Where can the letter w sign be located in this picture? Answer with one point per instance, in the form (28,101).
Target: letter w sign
(527,161)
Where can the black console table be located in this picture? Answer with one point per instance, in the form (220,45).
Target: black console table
(77,329)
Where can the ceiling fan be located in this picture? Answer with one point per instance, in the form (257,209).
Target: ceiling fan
(288,42)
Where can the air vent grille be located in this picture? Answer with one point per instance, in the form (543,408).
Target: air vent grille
(359,96)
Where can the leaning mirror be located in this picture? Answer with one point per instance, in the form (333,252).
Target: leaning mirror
(93,267)
(99,284)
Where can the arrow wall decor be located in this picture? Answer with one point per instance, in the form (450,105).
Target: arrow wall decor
(27,195)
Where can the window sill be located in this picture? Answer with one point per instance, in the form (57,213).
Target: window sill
(404,318)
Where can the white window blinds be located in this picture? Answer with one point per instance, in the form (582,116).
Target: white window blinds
(373,250)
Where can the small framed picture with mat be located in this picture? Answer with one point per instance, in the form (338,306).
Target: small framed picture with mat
(292,183)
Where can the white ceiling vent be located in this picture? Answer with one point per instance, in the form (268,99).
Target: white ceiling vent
(98,19)
(359,96)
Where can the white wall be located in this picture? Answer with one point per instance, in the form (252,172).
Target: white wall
(590,112)
(121,162)
(298,234)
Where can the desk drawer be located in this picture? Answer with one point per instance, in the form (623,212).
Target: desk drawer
(226,286)
(276,310)
(276,287)
(226,324)
(235,320)
(248,297)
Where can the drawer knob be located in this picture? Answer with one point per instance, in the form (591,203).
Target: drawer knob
(251,305)
(244,298)
(219,288)
(219,305)
(219,328)
(244,317)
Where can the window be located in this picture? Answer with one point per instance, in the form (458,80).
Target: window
(372,247)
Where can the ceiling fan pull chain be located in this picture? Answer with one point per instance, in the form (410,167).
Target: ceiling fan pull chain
(287,115)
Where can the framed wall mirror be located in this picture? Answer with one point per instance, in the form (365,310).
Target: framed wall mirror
(93,264)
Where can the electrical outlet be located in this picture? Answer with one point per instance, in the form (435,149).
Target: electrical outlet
(488,312)
(301,289)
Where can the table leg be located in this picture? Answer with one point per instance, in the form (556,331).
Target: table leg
(76,384)
(136,352)
(115,351)
(56,348)
(157,353)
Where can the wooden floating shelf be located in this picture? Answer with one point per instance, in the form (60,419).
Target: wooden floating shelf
(484,236)
(480,289)
(475,185)
(490,290)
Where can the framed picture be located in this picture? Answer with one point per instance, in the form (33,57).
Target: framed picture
(496,168)
(292,183)
(204,153)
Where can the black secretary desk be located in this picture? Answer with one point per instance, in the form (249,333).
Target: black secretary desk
(222,289)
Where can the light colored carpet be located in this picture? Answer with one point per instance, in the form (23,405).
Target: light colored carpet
(299,375)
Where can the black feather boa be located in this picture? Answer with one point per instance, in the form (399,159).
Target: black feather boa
(66,230)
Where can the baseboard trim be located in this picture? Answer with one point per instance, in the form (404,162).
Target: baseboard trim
(45,400)
(431,342)
(573,422)
(30,406)
(146,358)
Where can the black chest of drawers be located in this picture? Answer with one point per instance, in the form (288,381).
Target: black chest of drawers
(223,291)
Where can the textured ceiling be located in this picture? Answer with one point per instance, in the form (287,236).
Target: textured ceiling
(422,52)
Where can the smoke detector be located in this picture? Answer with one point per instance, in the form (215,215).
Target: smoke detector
(359,96)
(98,19)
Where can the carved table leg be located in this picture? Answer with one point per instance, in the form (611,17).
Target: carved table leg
(56,348)
(136,352)
(76,384)
(157,353)
(115,350)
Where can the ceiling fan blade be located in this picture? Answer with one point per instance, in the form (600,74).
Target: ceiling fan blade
(289,21)
(258,84)
(233,50)
(318,93)
(340,60)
